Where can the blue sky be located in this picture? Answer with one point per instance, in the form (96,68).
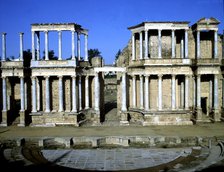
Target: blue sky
(106,20)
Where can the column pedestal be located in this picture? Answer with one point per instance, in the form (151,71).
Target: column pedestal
(22,119)
(4,119)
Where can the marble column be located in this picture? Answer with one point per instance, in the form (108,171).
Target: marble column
(87,92)
(194,92)
(146,44)
(210,93)
(199,91)
(80,92)
(186,92)
(86,47)
(216,92)
(4,94)
(160,93)
(60,94)
(25,94)
(173,43)
(73,45)
(47,93)
(182,94)
(22,94)
(133,46)
(74,103)
(182,48)
(141,92)
(159,44)
(38,45)
(215,44)
(33,46)
(198,44)
(38,93)
(97,92)
(134,91)
(186,43)
(21,46)
(59,45)
(34,95)
(124,101)
(3,46)
(146,92)
(78,46)
(140,46)
(173,92)
(46,45)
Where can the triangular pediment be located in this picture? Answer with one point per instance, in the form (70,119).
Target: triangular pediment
(208,21)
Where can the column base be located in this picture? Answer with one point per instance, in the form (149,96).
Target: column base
(216,115)
(4,119)
(198,114)
(124,118)
(22,119)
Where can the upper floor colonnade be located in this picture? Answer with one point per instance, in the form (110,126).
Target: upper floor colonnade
(72,27)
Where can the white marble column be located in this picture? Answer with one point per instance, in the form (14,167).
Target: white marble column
(186,92)
(22,95)
(38,45)
(210,93)
(146,92)
(134,91)
(173,92)
(46,45)
(78,46)
(86,47)
(182,94)
(60,94)
(141,92)
(97,92)
(198,44)
(140,46)
(21,46)
(173,43)
(199,91)
(186,43)
(73,45)
(133,46)
(182,48)
(74,102)
(160,92)
(4,94)
(87,92)
(80,92)
(194,92)
(38,94)
(3,46)
(25,94)
(33,46)
(216,92)
(34,95)
(146,44)
(124,101)
(47,93)
(215,44)
(159,44)
(59,45)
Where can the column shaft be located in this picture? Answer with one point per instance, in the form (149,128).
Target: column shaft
(215,44)
(47,94)
(33,45)
(22,95)
(216,94)
(34,95)
(38,93)
(160,93)
(210,94)
(21,46)
(186,43)
(146,44)
(4,94)
(182,94)
(60,45)
(46,45)
(87,92)
(97,92)
(74,103)
(159,44)
(86,47)
(80,92)
(133,46)
(186,92)
(173,44)
(199,91)
(38,45)
(134,91)
(73,45)
(78,46)
(3,46)
(124,103)
(140,46)
(141,92)
(182,48)
(61,96)
(173,92)
(198,44)
(146,92)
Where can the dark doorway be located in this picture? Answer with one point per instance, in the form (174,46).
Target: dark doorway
(204,105)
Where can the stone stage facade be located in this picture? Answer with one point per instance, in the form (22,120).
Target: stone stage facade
(169,74)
